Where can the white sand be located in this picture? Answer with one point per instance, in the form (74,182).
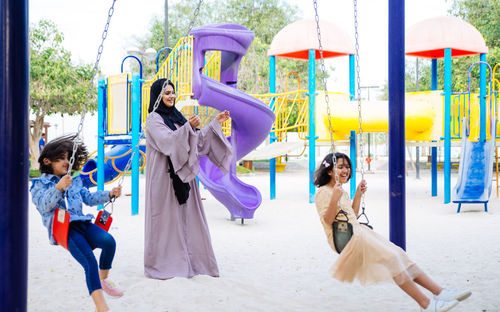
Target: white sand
(279,260)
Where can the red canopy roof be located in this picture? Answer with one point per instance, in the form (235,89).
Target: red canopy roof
(295,40)
(430,37)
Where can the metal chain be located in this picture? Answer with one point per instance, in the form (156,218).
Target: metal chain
(323,70)
(76,141)
(358,95)
(327,98)
(158,99)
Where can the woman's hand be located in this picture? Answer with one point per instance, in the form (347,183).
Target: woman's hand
(64,183)
(362,187)
(337,192)
(222,117)
(115,192)
(194,121)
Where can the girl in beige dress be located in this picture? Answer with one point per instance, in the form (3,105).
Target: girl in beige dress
(368,256)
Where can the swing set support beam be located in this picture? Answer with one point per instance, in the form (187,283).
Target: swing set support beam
(14,88)
(397,176)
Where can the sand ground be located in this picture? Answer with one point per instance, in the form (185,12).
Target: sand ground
(279,260)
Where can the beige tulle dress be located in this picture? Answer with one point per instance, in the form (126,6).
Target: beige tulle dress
(368,256)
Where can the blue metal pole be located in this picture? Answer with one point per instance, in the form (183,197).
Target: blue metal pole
(312,122)
(101,114)
(482,98)
(447,121)
(136,116)
(434,81)
(134,57)
(397,177)
(272,136)
(434,77)
(14,90)
(352,77)
(158,56)
(352,155)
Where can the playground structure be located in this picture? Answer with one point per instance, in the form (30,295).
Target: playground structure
(118,127)
(123,103)
(424,113)
(432,118)
(14,105)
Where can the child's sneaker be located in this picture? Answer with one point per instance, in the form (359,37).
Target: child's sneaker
(436,305)
(453,294)
(110,288)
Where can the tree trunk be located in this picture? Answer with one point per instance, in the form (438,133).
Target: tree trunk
(34,138)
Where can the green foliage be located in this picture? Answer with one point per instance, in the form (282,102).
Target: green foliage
(424,74)
(56,86)
(264,17)
(241,169)
(485,16)
(34,173)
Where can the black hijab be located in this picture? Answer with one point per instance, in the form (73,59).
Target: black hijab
(171,116)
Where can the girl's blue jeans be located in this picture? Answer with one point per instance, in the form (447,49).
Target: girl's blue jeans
(83,237)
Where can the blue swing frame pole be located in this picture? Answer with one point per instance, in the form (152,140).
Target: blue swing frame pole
(101,88)
(14,88)
(434,82)
(136,119)
(447,125)
(352,77)
(272,135)
(397,176)
(312,122)
(482,98)
(352,154)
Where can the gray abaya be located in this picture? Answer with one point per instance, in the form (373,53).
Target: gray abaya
(177,240)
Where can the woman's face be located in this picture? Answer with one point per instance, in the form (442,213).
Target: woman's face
(343,170)
(168,96)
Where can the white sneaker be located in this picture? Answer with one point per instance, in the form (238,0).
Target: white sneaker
(436,305)
(453,294)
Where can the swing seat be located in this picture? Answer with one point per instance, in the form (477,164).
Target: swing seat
(342,233)
(60,227)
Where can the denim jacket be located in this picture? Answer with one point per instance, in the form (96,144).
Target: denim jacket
(47,198)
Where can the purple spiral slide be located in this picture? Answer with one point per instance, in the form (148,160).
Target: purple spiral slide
(251,118)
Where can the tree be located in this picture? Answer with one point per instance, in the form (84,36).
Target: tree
(485,16)
(56,85)
(264,17)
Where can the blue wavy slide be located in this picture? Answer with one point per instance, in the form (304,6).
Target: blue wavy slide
(475,171)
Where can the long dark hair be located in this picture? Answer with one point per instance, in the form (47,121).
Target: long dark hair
(56,149)
(321,176)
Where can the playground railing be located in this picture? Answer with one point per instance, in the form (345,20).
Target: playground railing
(178,67)
(291,111)
(462,107)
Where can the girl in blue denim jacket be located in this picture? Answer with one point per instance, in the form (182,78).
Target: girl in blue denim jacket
(83,235)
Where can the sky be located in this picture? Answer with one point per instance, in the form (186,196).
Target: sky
(82,23)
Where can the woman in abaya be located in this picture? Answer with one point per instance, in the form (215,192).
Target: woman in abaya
(177,240)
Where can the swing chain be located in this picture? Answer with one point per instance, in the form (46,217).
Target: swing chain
(158,99)
(195,15)
(358,97)
(91,86)
(111,201)
(323,70)
(327,99)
